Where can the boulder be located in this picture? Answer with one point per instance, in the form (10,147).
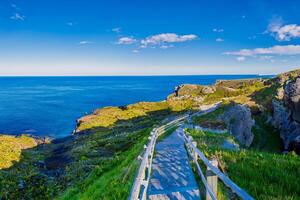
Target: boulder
(292,98)
(239,123)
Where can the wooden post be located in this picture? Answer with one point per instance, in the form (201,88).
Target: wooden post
(212,179)
(195,154)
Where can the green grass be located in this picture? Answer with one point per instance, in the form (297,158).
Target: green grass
(266,138)
(212,115)
(210,120)
(263,175)
(79,161)
(112,180)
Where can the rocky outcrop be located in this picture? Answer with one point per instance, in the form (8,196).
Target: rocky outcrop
(292,98)
(193,90)
(239,123)
(283,121)
(286,116)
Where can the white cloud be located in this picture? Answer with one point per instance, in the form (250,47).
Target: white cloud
(116,29)
(265,57)
(275,50)
(135,51)
(126,40)
(17,17)
(85,42)
(241,58)
(165,38)
(219,40)
(166,46)
(283,32)
(218,30)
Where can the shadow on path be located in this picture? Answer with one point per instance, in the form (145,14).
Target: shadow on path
(172,176)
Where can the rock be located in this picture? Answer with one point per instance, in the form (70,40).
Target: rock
(283,121)
(239,123)
(192,90)
(208,90)
(280,93)
(292,98)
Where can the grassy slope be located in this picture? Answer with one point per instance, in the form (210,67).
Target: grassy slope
(113,179)
(101,156)
(11,148)
(261,170)
(265,175)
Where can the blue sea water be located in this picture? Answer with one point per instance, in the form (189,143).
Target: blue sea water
(49,106)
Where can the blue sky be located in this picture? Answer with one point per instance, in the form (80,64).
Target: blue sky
(139,37)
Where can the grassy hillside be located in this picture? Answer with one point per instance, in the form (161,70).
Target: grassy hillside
(11,148)
(265,175)
(101,155)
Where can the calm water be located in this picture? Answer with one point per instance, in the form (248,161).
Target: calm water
(50,105)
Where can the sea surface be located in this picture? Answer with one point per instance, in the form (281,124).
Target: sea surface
(49,106)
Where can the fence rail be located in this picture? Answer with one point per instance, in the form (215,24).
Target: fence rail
(139,189)
(195,153)
(141,182)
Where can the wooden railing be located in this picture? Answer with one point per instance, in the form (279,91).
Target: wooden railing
(141,182)
(140,186)
(210,181)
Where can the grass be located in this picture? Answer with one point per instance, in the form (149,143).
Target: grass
(210,120)
(112,180)
(11,148)
(266,138)
(234,90)
(108,117)
(264,175)
(84,166)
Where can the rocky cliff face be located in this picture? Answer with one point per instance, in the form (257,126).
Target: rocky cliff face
(286,116)
(292,98)
(284,123)
(239,123)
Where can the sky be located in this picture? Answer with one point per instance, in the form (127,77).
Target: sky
(143,37)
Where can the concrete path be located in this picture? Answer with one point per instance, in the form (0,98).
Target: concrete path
(172,176)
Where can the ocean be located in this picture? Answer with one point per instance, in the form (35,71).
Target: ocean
(49,106)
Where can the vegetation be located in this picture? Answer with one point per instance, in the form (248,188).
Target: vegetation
(108,117)
(211,120)
(266,138)
(261,170)
(11,147)
(235,88)
(116,174)
(99,161)
(101,155)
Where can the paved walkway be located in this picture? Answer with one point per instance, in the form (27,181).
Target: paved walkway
(172,176)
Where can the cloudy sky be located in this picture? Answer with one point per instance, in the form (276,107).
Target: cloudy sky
(148,37)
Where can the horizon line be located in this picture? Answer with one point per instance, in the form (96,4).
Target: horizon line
(133,75)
